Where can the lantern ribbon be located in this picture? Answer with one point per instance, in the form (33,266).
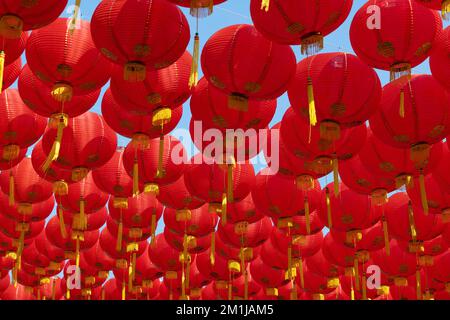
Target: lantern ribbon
(423,193)
(402,103)
(307,216)
(62,122)
(83,218)
(62,226)
(2,68)
(135,178)
(412,224)
(224,209)
(212,254)
(311,106)
(328,203)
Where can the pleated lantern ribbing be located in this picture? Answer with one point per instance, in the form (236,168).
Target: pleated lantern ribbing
(439,58)
(160,35)
(382,45)
(299,23)
(239,61)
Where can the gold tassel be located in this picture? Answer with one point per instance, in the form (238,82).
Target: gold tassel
(418,285)
(77,252)
(336,177)
(356,268)
(423,193)
(412,224)
(2,68)
(54,152)
(193,79)
(212,254)
(245,285)
(83,218)
(132,272)
(352,293)
(289,256)
(11,189)
(302,277)
(387,246)
(224,209)
(62,226)
(402,103)
(119,237)
(124,294)
(445,9)
(20,250)
(328,202)
(103,293)
(135,178)
(53,289)
(73,21)
(308,222)
(67,293)
(230,196)
(364,287)
(311,103)
(160,173)
(265,5)
(153,229)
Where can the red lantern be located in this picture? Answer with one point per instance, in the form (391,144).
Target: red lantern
(177,196)
(24,186)
(6,164)
(439,59)
(164,256)
(93,221)
(198,222)
(66,60)
(245,235)
(261,73)
(18,292)
(11,73)
(442,5)
(160,35)
(441,172)
(95,256)
(189,244)
(244,210)
(159,162)
(161,89)
(199,8)
(293,22)
(10,52)
(439,270)
(87,143)
(38,97)
(210,105)
(40,210)
(348,100)
(283,197)
(268,277)
(382,45)
(20,128)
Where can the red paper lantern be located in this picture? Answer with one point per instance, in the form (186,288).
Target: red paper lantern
(293,22)
(40,210)
(67,61)
(262,72)
(10,52)
(163,255)
(439,59)
(442,5)
(87,143)
(382,45)
(335,89)
(197,222)
(160,35)
(93,221)
(38,97)
(437,199)
(161,89)
(210,105)
(441,172)
(244,210)
(266,276)
(159,162)
(11,73)
(177,196)
(245,235)
(20,128)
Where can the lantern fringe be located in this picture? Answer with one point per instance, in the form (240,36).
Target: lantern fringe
(77,251)
(62,92)
(307,216)
(302,276)
(62,122)
(11,198)
(119,236)
(224,209)
(230,195)
(62,226)
(265,4)
(311,106)
(423,193)
(399,70)
(212,254)
(328,204)
(11,152)
(135,178)
(412,224)
(356,268)
(160,172)
(330,130)
(336,177)
(418,285)
(312,44)
(364,287)
(193,78)
(83,218)
(11,26)
(2,69)
(124,293)
(237,101)
(134,72)
(401,111)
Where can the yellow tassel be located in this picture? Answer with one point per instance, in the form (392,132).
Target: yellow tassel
(11,189)
(77,251)
(289,256)
(224,209)
(364,287)
(352,293)
(418,285)
(2,69)
(265,5)
(387,246)
(336,177)
(83,218)
(356,268)
(311,103)
(193,79)
(119,237)
(62,226)
(328,202)
(124,294)
(135,178)
(412,224)
(153,229)
(245,285)
(20,250)
(73,21)
(423,193)
(402,103)
(60,188)
(134,72)
(132,272)
(302,277)
(308,222)
(230,196)
(212,254)
(62,92)
(67,294)
(445,9)
(160,173)
(53,289)
(54,152)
